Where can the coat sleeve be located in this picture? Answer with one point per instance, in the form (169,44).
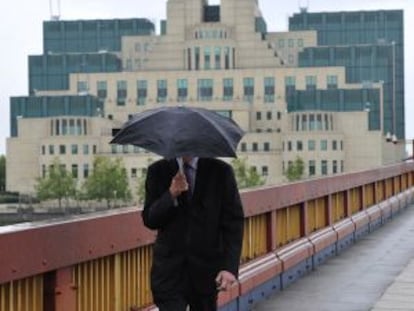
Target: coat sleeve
(159,205)
(232,223)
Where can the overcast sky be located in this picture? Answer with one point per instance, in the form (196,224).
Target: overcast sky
(21,34)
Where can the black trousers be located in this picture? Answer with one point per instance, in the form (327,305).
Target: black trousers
(185,297)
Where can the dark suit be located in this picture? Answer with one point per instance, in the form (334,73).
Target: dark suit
(197,238)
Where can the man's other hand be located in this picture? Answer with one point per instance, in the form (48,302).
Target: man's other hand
(224,280)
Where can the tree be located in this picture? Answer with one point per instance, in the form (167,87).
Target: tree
(58,184)
(141,183)
(108,181)
(295,170)
(2,173)
(246,176)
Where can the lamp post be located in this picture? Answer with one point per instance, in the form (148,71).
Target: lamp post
(393,91)
(393,139)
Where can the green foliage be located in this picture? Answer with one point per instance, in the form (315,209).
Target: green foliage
(246,176)
(58,184)
(295,170)
(141,183)
(2,173)
(108,181)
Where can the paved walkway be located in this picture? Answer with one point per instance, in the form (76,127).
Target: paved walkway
(361,277)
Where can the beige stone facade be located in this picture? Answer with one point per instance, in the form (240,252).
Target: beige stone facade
(226,66)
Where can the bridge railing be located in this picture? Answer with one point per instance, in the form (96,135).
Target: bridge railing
(101,261)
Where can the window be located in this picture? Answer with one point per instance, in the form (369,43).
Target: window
(289,146)
(226,58)
(319,122)
(217,57)
(189,58)
(121,93)
(243,147)
(51,149)
(290,85)
(43,149)
(324,167)
(64,127)
(311,145)
(334,145)
(74,170)
(133,173)
(72,130)
(142,92)
(300,43)
(82,87)
(326,122)
(62,149)
(43,171)
(227,89)
(331,82)
(324,145)
(94,149)
(254,147)
(207,59)
(205,89)
(197,58)
(162,91)
(334,166)
(299,145)
(266,146)
(74,149)
(269,115)
(311,167)
(265,171)
(310,83)
(85,170)
(258,115)
(269,90)
(102,91)
(304,122)
(312,123)
(57,127)
(182,90)
(248,89)
(291,43)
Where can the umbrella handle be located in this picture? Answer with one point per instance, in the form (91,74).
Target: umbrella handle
(180,165)
(181,170)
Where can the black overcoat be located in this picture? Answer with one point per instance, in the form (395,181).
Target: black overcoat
(196,237)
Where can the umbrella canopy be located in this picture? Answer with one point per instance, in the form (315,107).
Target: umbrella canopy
(181,131)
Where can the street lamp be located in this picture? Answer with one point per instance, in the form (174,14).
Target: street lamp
(393,139)
(393,89)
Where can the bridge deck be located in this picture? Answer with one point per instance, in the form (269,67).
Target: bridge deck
(360,277)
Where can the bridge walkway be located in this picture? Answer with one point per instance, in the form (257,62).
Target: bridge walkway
(376,273)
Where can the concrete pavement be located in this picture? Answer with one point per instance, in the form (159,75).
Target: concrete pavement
(359,277)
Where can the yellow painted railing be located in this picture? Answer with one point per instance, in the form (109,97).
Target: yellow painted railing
(111,272)
(115,282)
(22,295)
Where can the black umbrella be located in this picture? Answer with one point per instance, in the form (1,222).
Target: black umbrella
(181,131)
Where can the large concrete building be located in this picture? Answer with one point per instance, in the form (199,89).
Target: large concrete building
(294,93)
